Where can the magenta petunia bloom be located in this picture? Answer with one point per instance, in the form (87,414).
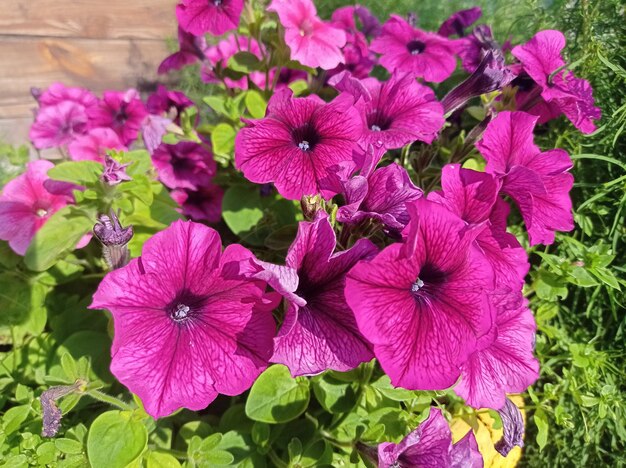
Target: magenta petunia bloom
(430,446)
(58,124)
(424,304)
(169,103)
(204,204)
(319,331)
(345,18)
(26,205)
(407,49)
(187,325)
(94,145)
(312,42)
(475,46)
(123,112)
(209,16)
(190,50)
(58,93)
(220,53)
(381,196)
(401,111)
(473,196)
(357,59)
(538,182)
(503,362)
(185,165)
(541,58)
(299,143)
(458,21)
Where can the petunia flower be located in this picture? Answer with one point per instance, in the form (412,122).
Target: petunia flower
(93,145)
(541,59)
(312,42)
(123,112)
(475,46)
(345,18)
(408,49)
(381,196)
(114,172)
(216,17)
(458,21)
(169,102)
(153,129)
(26,205)
(473,196)
(114,239)
(430,446)
(319,331)
(185,165)
(299,142)
(400,112)
(58,92)
(357,58)
(58,124)
(219,54)
(204,204)
(503,362)
(512,428)
(539,183)
(187,326)
(190,50)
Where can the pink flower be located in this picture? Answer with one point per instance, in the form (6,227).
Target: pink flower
(538,182)
(218,55)
(345,18)
(357,58)
(473,196)
(58,92)
(121,111)
(94,145)
(185,165)
(209,16)
(114,172)
(503,362)
(474,47)
(169,103)
(382,196)
(299,143)
(458,21)
(541,58)
(319,331)
(401,111)
(204,204)
(187,326)
(424,304)
(430,446)
(190,50)
(26,205)
(313,42)
(58,124)
(407,49)
(153,129)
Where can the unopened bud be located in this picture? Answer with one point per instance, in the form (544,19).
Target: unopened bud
(114,172)
(310,204)
(114,238)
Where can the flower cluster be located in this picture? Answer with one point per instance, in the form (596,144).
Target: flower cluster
(401,253)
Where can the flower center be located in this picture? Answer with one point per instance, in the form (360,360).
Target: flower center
(217,2)
(41,212)
(181,312)
(419,284)
(305,137)
(186,307)
(375,128)
(377,121)
(428,283)
(416,47)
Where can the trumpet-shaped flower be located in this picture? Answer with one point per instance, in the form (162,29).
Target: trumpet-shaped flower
(319,331)
(458,21)
(424,304)
(407,49)
(123,112)
(204,204)
(57,125)
(312,42)
(185,165)
(94,145)
(299,143)
(209,16)
(187,325)
(26,205)
(538,182)
(190,50)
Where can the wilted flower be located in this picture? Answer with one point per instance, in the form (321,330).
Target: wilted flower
(538,182)
(187,326)
(185,165)
(153,129)
(319,331)
(190,50)
(121,111)
(26,205)
(424,304)
(114,239)
(94,145)
(209,16)
(114,172)
(299,142)
(512,428)
(312,42)
(458,21)
(408,49)
(541,59)
(51,414)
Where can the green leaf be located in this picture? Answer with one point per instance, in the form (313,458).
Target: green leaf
(255,104)
(335,396)
(161,460)
(276,397)
(383,385)
(14,417)
(57,237)
(68,446)
(242,208)
(244,62)
(77,172)
(223,139)
(217,103)
(541,421)
(115,440)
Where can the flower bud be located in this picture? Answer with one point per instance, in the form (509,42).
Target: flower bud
(114,238)
(114,172)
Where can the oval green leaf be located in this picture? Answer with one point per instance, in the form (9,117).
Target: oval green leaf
(115,439)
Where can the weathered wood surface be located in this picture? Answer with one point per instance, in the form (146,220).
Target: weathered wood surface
(113,44)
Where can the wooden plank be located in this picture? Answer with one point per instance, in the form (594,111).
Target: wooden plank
(94,64)
(111,19)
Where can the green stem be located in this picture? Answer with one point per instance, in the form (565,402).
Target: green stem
(276,459)
(105,398)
